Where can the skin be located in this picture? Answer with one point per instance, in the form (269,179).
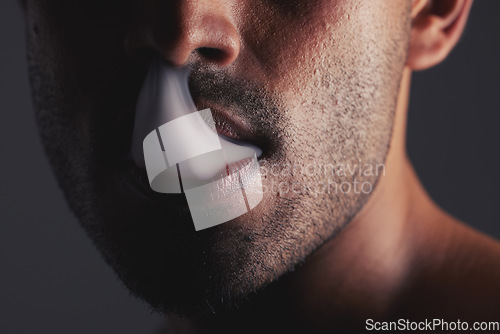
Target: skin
(311,81)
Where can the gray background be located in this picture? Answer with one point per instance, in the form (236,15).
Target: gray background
(52,280)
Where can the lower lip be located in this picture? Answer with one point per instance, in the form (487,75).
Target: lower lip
(227,198)
(135,179)
(237,192)
(237,170)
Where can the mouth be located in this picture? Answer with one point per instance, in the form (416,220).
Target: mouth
(201,154)
(238,144)
(219,185)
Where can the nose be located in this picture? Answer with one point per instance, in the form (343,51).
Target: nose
(181,30)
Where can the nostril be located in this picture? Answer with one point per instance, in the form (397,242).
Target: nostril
(212,54)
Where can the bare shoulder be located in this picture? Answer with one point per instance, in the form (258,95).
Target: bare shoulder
(476,255)
(456,277)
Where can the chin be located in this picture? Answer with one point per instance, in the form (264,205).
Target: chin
(154,249)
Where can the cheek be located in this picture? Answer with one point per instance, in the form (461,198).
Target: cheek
(284,47)
(290,46)
(82,42)
(338,77)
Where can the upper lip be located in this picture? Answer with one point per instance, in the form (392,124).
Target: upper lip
(229,123)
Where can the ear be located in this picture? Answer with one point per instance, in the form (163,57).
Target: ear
(436,28)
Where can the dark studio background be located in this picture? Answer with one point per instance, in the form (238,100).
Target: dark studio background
(52,280)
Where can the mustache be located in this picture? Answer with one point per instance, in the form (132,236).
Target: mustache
(246,98)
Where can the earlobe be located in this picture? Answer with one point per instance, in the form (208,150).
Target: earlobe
(436,28)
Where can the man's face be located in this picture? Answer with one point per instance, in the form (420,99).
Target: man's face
(314,84)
